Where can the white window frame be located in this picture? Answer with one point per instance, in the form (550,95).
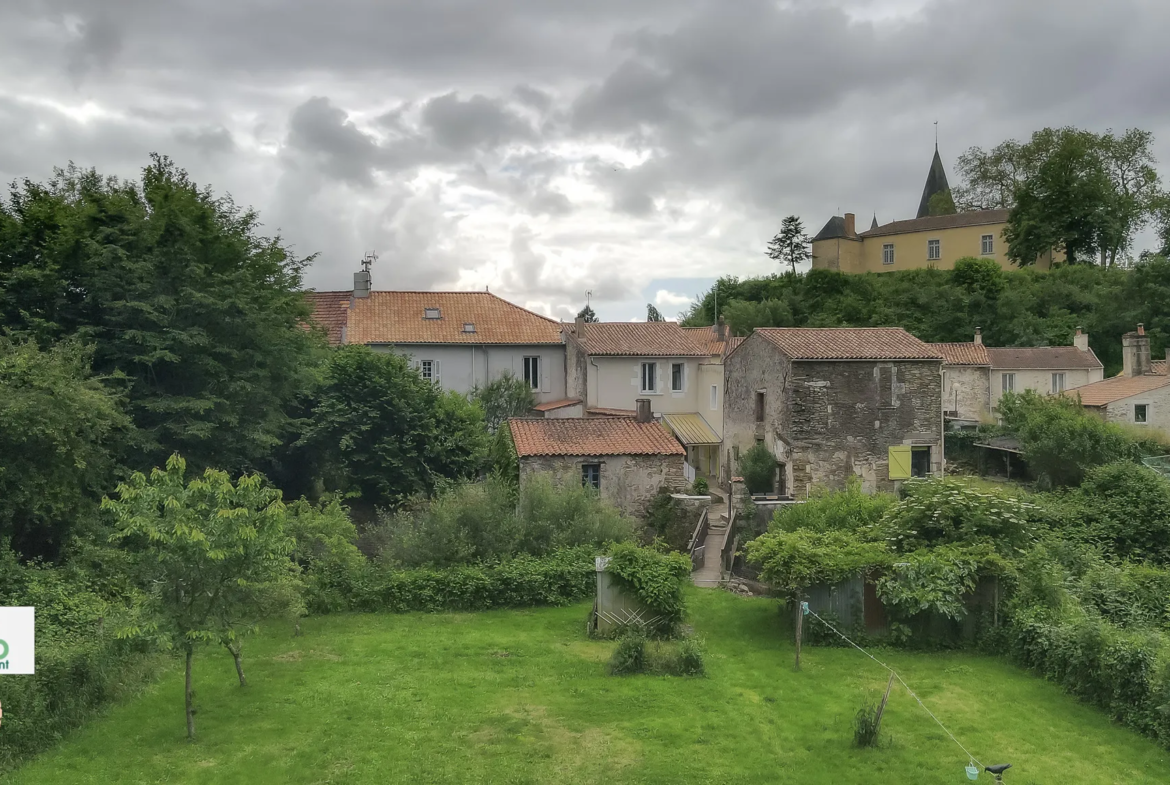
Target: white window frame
(1007,382)
(714,397)
(887,253)
(933,250)
(432,313)
(652,367)
(430,370)
(987,245)
(532,371)
(1059,377)
(682,377)
(1146,420)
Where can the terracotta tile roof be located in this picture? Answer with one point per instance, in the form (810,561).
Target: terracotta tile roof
(598,436)
(939,222)
(561,404)
(329,312)
(399,317)
(1157,367)
(733,343)
(705,336)
(642,339)
(1041,357)
(848,343)
(969,353)
(1116,388)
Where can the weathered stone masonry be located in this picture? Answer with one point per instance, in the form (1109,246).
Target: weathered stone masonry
(629,482)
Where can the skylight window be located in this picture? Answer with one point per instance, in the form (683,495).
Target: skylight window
(432,313)
(468,327)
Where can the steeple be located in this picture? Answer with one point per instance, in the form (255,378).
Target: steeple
(874,225)
(936,182)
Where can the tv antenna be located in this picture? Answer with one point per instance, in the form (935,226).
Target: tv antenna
(588,296)
(369,260)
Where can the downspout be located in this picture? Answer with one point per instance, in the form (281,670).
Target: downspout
(595,379)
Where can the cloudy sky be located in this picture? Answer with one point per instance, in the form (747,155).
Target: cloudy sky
(545,148)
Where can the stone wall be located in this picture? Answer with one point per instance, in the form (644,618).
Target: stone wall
(967,390)
(628,482)
(576,369)
(1157,404)
(756,366)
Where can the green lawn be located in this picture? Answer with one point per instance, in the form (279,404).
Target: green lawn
(522,697)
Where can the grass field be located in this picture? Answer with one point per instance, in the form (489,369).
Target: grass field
(522,697)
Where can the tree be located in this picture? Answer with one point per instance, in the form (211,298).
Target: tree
(757,466)
(502,398)
(60,430)
(191,312)
(791,245)
(212,553)
(380,429)
(587,314)
(653,314)
(942,203)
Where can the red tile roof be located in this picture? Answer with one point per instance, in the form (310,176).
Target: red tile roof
(329,313)
(937,222)
(399,318)
(969,353)
(598,436)
(848,343)
(561,404)
(1157,367)
(1116,388)
(642,339)
(706,336)
(1041,357)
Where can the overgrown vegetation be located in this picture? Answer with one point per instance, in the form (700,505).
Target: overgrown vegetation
(656,580)
(757,466)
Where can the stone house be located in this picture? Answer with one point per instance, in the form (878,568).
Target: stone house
(966,382)
(627,459)
(1140,395)
(831,403)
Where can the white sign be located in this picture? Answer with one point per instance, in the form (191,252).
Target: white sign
(17,631)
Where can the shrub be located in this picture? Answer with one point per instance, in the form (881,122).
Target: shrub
(668,520)
(757,466)
(654,579)
(629,656)
(324,539)
(504,397)
(688,659)
(828,510)
(866,723)
(937,511)
(792,561)
(699,487)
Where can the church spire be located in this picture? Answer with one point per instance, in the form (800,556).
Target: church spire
(936,182)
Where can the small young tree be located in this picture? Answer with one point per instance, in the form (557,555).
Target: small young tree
(791,245)
(653,314)
(587,313)
(503,398)
(757,466)
(213,556)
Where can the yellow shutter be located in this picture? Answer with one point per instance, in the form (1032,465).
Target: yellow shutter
(900,462)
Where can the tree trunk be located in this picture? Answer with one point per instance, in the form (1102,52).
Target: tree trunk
(237,651)
(187,697)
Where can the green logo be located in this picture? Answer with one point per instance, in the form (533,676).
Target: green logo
(3,650)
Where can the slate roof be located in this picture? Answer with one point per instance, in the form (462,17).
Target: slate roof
(1117,388)
(969,353)
(938,222)
(848,343)
(597,436)
(642,339)
(329,313)
(1042,358)
(399,318)
(833,229)
(936,182)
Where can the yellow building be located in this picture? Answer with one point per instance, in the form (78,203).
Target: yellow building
(924,241)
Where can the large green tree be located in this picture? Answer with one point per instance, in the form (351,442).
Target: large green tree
(504,397)
(190,310)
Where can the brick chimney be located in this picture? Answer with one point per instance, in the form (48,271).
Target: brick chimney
(1081,340)
(850,225)
(644,414)
(1135,352)
(978,336)
(361,284)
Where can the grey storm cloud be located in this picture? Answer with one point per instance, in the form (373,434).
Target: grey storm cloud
(505,142)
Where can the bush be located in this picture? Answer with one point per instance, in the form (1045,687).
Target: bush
(757,466)
(688,659)
(668,520)
(654,579)
(866,723)
(699,487)
(324,537)
(632,655)
(938,511)
(828,510)
(629,656)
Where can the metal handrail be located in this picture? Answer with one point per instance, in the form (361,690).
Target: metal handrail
(728,536)
(699,536)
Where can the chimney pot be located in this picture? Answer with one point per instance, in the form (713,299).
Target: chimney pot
(644,414)
(1141,329)
(850,225)
(978,335)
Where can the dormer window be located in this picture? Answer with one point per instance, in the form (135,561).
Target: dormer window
(432,313)
(468,327)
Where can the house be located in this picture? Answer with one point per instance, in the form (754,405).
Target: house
(923,241)
(627,459)
(976,376)
(831,403)
(1140,395)
(678,369)
(459,340)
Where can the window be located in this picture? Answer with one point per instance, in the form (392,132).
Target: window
(1008,382)
(429,370)
(649,377)
(759,407)
(933,250)
(714,396)
(532,372)
(1057,382)
(591,475)
(919,461)
(431,313)
(677,370)
(1140,412)
(988,244)
(888,253)
(468,327)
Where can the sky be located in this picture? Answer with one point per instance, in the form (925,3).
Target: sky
(628,151)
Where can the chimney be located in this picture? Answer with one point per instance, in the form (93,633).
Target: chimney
(978,336)
(1135,353)
(720,330)
(361,284)
(580,328)
(643,413)
(850,225)
(1081,340)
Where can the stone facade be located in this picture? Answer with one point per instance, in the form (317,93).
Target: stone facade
(967,392)
(828,420)
(1157,403)
(629,482)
